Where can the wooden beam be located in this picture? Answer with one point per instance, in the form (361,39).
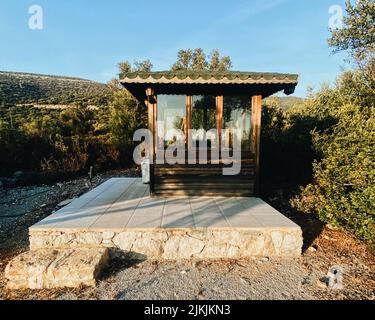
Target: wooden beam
(256,123)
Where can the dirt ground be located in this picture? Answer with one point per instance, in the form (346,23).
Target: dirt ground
(250,279)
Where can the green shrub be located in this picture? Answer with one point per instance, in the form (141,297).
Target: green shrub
(342,192)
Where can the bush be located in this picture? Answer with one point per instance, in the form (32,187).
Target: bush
(342,192)
(327,144)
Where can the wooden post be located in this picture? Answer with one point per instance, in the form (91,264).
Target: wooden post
(189,105)
(151,125)
(256,122)
(151,107)
(219,120)
(219,115)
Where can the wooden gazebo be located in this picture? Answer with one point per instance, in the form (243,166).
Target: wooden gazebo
(206,100)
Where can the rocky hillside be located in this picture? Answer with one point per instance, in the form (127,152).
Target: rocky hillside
(284,102)
(26,88)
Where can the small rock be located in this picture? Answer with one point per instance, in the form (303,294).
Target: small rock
(17,174)
(321,284)
(65,202)
(108,235)
(331,227)
(335,278)
(201,294)
(265,259)
(329,238)
(311,249)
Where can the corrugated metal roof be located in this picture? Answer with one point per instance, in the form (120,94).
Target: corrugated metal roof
(208,77)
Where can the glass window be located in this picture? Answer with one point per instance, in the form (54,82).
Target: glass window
(203,119)
(204,113)
(237,115)
(171,118)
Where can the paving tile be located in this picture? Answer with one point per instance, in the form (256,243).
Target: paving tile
(178,221)
(120,212)
(98,190)
(210,221)
(124,203)
(177,207)
(205,206)
(150,208)
(144,221)
(231,207)
(276,222)
(243,221)
(82,219)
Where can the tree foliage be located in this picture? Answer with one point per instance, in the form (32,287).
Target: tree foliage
(143,66)
(197,60)
(343,188)
(358,34)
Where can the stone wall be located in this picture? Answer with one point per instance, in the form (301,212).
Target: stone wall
(181,244)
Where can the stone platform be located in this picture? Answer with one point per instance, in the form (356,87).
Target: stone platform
(120,214)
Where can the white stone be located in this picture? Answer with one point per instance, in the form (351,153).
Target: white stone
(65,202)
(51,268)
(292,244)
(277,240)
(182,247)
(63,240)
(108,235)
(311,249)
(215,251)
(151,248)
(107,243)
(90,238)
(125,240)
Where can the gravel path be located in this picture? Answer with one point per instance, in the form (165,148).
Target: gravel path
(243,280)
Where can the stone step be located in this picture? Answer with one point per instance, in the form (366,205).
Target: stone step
(56,268)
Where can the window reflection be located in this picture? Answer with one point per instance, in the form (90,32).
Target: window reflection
(237,115)
(171,119)
(203,117)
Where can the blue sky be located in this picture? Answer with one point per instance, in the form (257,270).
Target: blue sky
(88,38)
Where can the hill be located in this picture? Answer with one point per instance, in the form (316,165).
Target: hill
(28,88)
(284,102)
